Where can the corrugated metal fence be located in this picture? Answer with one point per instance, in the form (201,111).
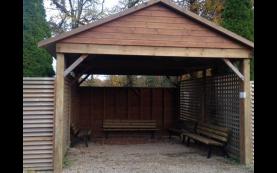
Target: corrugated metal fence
(252,112)
(38,111)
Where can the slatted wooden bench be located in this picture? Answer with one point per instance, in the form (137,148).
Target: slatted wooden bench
(182,126)
(210,135)
(129,125)
(79,134)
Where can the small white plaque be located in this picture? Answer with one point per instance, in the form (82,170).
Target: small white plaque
(242,95)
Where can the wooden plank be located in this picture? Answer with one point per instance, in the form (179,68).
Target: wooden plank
(233,68)
(74,64)
(36,82)
(38,156)
(152,51)
(38,95)
(40,112)
(154,42)
(59,109)
(40,91)
(50,86)
(37,143)
(48,108)
(44,147)
(38,104)
(36,125)
(38,99)
(39,138)
(38,78)
(245,116)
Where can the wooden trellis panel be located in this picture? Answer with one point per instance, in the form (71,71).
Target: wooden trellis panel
(190,99)
(252,113)
(38,111)
(218,96)
(223,107)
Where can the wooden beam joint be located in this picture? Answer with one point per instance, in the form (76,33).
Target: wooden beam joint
(234,69)
(75,64)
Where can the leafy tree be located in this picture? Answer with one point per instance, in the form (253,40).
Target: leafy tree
(238,16)
(36,61)
(209,9)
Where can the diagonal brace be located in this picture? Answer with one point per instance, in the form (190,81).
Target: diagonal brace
(235,70)
(74,65)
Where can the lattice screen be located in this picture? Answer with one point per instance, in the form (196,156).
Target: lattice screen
(190,99)
(222,104)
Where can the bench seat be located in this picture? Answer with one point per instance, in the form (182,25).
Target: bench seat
(129,125)
(210,135)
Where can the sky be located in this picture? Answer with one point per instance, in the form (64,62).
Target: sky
(108,4)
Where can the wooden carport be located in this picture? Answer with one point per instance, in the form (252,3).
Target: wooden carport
(154,38)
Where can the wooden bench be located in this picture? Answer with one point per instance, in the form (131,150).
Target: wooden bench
(182,126)
(210,135)
(130,125)
(79,134)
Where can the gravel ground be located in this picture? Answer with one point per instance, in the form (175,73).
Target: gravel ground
(160,157)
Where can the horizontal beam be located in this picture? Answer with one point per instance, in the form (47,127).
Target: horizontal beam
(235,70)
(151,51)
(74,64)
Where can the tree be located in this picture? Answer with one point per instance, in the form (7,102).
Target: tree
(36,61)
(70,14)
(238,16)
(209,9)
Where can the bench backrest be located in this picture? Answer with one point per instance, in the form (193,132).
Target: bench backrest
(74,129)
(215,132)
(129,124)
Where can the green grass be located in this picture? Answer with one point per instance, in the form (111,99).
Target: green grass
(66,162)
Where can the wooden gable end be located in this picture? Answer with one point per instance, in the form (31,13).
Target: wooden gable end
(156,25)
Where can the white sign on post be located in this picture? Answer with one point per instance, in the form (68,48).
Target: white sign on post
(242,95)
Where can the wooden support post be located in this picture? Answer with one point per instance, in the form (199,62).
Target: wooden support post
(74,65)
(245,115)
(59,108)
(127,103)
(140,104)
(235,70)
(203,109)
(104,102)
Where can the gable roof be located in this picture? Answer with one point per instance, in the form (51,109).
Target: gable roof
(50,41)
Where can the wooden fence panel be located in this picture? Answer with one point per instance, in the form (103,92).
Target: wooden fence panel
(98,103)
(38,112)
(252,112)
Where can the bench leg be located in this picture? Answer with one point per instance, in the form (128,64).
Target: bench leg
(188,141)
(209,151)
(225,153)
(152,135)
(86,140)
(106,135)
(184,138)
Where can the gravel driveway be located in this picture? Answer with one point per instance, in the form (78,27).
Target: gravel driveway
(160,157)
